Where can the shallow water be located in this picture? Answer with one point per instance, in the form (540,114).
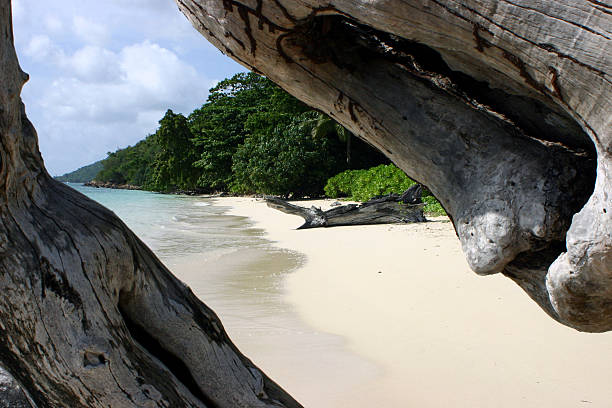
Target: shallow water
(174,226)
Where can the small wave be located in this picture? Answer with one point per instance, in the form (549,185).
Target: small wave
(201,204)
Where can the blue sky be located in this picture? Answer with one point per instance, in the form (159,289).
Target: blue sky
(102,73)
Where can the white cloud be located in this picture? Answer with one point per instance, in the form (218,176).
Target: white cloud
(107,100)
(160,72)
(18,10)
(89,31)
(53,24)
(102,73)
(95,64)
(117,87)
(40,47)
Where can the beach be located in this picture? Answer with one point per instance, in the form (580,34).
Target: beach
(405,323)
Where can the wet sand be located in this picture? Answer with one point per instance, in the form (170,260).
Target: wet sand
(413,326)
(246,289)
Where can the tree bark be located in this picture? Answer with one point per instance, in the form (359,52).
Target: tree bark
(89,317)
(388,209)
(502,108)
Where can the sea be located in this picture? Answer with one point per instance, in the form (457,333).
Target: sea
(178,226)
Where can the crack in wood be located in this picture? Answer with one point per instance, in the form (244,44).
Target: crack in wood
(555,83)
(581,26)
(518,63)
(233,37)
(283,10)
(244,15)
(600,3)
(481,43)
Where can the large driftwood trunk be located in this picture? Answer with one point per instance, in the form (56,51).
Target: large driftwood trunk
(88,316)
(503,108)
(388,209)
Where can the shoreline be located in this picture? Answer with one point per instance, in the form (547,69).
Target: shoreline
(402,296)
(244,285)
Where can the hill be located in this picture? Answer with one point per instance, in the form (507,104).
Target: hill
(82,175)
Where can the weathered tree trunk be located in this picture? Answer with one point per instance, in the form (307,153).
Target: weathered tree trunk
(389,209)
(88,316)
(501,107)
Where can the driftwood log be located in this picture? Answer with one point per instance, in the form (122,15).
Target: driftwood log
(501,107)
(388,209)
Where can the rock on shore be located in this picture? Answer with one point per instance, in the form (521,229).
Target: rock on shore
(108,184)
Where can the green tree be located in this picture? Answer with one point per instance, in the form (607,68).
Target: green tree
(173,166)
(359,154)
(250,136)
(327,127)
(282,157)
(219,125)
(130,165)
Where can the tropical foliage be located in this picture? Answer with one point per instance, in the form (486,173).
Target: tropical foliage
(361,185)
(283,158)
(131,165)
(252,137)
(249,137)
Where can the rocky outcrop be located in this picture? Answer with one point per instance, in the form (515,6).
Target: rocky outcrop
(108,184)
(501,108)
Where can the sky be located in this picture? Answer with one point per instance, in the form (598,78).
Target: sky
(103,73)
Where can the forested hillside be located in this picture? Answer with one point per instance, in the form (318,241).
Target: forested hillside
(83,174)
(249,137)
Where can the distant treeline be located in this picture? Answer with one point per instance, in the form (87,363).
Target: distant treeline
(83,174)
(249,137)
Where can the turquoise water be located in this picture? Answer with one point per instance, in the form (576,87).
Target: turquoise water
(176,226)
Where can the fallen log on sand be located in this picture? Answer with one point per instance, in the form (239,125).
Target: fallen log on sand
(388,209)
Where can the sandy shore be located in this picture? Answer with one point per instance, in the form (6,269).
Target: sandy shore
(425,330)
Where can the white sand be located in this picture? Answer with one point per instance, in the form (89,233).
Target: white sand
(403,298)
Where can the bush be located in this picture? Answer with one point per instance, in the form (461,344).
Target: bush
(361,185)
(432,206)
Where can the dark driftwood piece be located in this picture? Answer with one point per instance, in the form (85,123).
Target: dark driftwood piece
(389,209)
